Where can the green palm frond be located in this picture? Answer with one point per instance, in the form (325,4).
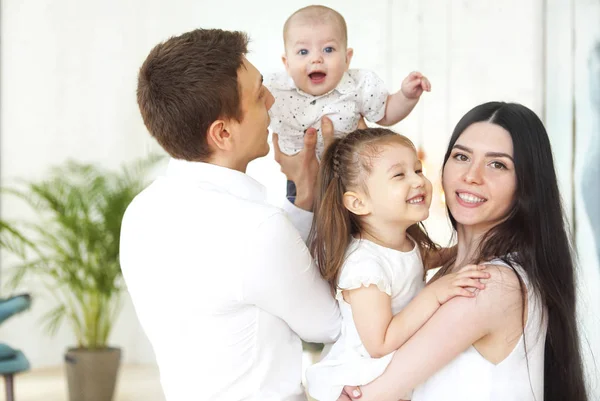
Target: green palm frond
(72,244)
(54,318)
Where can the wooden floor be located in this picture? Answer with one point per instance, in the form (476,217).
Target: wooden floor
(135,383)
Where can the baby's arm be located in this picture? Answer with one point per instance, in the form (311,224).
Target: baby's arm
(382,333)
(400,104)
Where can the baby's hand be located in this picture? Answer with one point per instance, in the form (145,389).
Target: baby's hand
(459,283)
(414,85)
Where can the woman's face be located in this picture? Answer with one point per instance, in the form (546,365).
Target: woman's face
(479,177)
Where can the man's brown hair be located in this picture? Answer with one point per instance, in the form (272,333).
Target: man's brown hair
(188,82)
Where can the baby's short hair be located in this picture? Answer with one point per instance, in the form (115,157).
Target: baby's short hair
(318,14)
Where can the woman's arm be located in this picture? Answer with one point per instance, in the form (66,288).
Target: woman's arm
(462,321)
(382,333)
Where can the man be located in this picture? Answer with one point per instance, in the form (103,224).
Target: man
(221,281)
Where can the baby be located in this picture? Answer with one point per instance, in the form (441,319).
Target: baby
(318,83)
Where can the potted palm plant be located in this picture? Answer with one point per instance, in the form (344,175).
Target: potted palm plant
(72,247)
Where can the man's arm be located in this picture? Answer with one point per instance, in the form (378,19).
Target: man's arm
(300,218)
(303,167)
(283,280)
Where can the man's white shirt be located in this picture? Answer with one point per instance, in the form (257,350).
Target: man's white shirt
(223,285)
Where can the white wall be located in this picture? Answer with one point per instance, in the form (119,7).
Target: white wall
(69,73)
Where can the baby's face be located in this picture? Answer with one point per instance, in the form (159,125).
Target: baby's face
(316,57)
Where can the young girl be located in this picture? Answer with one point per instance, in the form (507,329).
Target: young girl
(369,244)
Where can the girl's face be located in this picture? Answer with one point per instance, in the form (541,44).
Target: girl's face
(479,177)
(397,192)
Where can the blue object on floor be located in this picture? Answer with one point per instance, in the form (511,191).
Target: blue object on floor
(12,361)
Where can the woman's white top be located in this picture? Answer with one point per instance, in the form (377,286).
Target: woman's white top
(519,377)
(398,274)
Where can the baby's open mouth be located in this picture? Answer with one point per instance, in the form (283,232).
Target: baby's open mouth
(317,77)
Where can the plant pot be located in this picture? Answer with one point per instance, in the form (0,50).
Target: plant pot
(92,374)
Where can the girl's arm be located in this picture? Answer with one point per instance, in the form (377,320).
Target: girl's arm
(382,333)
(463,321)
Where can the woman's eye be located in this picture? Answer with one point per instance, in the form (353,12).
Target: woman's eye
(420,171)
(460,157)
(498,165)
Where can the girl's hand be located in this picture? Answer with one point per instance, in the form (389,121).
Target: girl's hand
(350,393)
(463,283)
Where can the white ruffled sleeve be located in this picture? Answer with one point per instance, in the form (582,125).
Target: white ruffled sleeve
(363,272)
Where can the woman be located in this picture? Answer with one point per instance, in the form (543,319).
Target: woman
(517,340)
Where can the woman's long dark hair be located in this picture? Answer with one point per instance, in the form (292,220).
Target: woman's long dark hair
(534,234)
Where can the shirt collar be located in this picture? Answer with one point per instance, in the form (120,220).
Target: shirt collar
(218,178)
(346,85)
(283,81)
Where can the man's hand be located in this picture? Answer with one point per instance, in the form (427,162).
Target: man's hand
(303,167)
(414,85)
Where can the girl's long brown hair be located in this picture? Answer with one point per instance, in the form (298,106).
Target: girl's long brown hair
(345,165)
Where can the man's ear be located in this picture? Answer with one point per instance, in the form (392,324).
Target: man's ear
(356,203)
(218,136)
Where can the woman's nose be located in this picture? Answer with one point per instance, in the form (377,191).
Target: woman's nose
(473,174)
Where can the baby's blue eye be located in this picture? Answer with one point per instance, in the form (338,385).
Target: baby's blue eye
(303,52)
(328,49)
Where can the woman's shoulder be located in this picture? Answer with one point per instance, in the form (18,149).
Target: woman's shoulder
(502,275)
(509,282)
(504,289)
(507,274)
